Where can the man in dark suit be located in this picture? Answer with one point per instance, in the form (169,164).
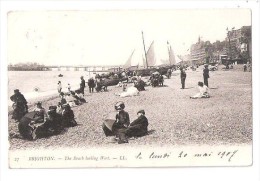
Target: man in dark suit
(82,85)
(91,84)
(206,75)
(183,77)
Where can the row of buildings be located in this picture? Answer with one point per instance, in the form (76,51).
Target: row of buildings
(235,48)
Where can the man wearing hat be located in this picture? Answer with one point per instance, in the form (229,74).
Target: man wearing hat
(136,129)
(206,75)
(82,85)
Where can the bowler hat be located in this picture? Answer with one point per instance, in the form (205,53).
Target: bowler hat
(141,111)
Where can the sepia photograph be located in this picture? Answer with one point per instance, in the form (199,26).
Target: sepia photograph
(129,88)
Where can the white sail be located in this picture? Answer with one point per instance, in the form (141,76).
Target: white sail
(171,57)
(151,56)
(129,61)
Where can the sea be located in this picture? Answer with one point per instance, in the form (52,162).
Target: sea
(39,84)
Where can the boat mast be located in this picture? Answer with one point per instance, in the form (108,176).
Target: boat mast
(168,45)
(144,51)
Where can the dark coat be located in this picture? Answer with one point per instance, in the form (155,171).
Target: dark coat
(183,74)
(137,128)
(68,119)
(141,123)
(82,84)
(52,126)
(122,119)
(91,83)
(18,98)
(206,73)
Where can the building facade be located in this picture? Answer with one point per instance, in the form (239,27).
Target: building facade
(201,52)
(239,44)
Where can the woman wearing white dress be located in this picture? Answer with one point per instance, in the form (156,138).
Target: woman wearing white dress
(203,91)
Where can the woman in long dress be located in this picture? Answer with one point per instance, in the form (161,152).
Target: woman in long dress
(203,91)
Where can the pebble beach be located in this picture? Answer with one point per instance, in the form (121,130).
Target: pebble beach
(174,119)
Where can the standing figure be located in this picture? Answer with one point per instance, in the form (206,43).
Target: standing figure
(59,87)
(245,67)
(82,85)
(206,75)
(183,77)
(20,105)
(169,73)
(91,84)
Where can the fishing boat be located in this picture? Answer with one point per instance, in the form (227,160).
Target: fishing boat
(150,64)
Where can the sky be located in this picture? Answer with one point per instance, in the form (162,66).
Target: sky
(109,37)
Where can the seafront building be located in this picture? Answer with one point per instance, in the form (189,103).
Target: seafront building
(239,44)
(235,48)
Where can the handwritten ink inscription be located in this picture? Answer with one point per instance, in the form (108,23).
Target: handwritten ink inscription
(171,156)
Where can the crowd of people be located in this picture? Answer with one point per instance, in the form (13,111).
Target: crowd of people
(39,123)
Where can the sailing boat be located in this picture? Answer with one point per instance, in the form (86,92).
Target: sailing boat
(149,62)
(128,62)
(172,60)
(150,55)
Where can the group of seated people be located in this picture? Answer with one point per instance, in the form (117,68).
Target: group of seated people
(156,79)
(39,124)
(73,98)
(121,128)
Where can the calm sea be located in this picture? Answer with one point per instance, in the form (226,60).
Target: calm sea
(44,81)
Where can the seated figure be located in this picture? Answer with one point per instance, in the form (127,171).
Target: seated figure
(203,91)
(68,119)
(41,113)
(52,125)
(137,128)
